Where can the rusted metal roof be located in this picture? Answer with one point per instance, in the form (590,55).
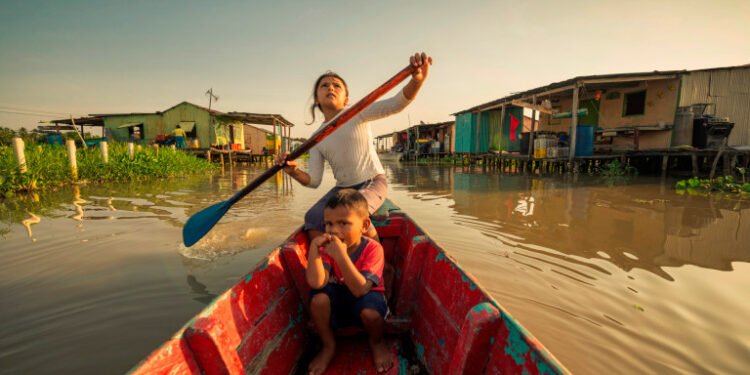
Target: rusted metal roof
(569,83)
(438,125)
(248,117)
(258,118)
(88,121)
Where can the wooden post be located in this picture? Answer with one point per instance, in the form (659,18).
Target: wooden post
(71,146)
(574,124)
(231,158)
(18,148)
(105,151)
(221,156)
(156,148)
(637,138)
(716,160)
(80,135)
(173,147)
(274,136)
(131,150)
(208,155)
(533,122)
(664,164)
(694,162)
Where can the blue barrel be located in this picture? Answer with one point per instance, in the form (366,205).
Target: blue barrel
(584,140)
(54,139)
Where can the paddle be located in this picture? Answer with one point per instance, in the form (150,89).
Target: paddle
(199,224)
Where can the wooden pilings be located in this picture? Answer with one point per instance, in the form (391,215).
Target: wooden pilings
(232,157)
(654,162)
(105,151)
(18,149)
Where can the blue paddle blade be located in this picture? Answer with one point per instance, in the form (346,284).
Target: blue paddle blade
(199,224)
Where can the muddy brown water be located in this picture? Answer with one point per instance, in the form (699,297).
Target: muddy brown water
(612,276)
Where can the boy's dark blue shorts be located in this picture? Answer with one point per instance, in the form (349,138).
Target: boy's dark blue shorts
(345,307)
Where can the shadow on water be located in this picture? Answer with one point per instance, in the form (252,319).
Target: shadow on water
(200,289)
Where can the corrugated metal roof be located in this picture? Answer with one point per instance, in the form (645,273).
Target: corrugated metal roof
(557,85)
(254,118)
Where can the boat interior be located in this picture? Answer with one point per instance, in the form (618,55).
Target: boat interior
(442,321)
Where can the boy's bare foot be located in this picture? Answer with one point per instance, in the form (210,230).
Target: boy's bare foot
(381,356)
(319,364)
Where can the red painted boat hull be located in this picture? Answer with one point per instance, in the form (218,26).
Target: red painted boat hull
(260,325)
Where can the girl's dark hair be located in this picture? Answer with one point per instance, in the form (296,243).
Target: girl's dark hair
(315,89)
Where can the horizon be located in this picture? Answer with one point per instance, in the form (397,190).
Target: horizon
(84,57)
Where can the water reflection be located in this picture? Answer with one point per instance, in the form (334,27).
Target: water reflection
(581,218)
(28,222)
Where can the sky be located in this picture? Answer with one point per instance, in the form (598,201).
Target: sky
(80,57)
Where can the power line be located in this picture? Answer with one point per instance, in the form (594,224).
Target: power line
(33,113)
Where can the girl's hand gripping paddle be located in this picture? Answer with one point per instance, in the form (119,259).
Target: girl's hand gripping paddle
(199,224)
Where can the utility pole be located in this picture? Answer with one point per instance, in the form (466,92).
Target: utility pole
(211,98)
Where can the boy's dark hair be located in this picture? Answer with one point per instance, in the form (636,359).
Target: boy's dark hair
(315,91)
(351,199)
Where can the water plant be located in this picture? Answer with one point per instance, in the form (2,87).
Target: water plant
(725,184)
(48,166)
(617,169)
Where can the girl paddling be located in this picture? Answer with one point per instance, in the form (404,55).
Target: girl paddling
(349,150)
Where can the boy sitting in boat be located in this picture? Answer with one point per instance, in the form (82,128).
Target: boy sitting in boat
(345,272)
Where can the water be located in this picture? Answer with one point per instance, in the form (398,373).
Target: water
(628,278)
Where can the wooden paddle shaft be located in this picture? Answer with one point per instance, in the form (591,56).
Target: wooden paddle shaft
(327,130)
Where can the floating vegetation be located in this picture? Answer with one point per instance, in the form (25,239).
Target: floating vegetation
(48,166)
(703,186)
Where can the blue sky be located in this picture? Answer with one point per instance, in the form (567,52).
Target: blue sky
(81,57)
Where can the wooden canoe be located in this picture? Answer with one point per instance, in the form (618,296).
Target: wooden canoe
(441,319)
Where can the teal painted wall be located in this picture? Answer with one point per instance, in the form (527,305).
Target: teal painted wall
(495,141)
(466,132)
(508,144)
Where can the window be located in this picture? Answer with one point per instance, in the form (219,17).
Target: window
(136,132)
(634,104)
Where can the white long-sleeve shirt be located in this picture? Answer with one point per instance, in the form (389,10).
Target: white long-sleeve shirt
(349,150)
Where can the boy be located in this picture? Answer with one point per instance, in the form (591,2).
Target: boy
(345,271)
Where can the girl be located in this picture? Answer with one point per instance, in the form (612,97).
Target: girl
(349,150)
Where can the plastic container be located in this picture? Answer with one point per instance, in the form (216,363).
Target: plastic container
(584,140)
(55,139)
(683,127)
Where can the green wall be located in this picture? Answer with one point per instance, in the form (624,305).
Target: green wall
(165,122)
